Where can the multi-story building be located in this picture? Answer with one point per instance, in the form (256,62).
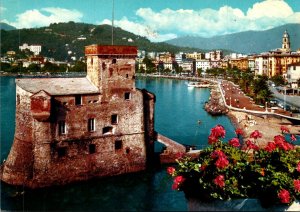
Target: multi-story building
(203,64)
(74,129)
(293,75)
(195,55)
(36,49)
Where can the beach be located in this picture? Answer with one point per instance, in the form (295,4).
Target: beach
(268,126)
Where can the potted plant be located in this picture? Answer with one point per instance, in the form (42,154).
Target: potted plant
(227,171)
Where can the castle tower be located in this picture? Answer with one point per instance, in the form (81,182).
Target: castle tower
(286,45)
(111,68)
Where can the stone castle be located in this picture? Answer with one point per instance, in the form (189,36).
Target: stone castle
(74,129)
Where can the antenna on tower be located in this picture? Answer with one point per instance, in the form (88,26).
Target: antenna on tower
(112,22)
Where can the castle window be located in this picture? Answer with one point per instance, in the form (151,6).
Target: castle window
(127,150)
(127,95)
(18,99)
(62,127)
(107,130)
(78,100)
(91,125)
(114,61)
(61,151)
(92,148)
(91,61)
(114,119)
(126,75)
(118,144)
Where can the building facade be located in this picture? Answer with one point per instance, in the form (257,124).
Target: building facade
(36,49)
(74,129)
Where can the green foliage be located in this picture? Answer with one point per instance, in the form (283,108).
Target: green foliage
(278,80)
(59,38)
(79,67)
(247,172)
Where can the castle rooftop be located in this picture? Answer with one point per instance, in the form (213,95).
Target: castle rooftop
(58,86)
(111,50)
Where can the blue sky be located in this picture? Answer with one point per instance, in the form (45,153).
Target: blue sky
(156,19)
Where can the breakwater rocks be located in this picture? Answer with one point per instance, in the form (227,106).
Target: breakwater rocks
(215,104)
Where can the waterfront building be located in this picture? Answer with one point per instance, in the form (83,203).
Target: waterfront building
(74,129)
(293,75)
(276,62)
(203,64)
(36,49)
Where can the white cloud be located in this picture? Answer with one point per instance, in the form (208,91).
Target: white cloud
(209,22)
(45,16)
(140,29)
(2,9)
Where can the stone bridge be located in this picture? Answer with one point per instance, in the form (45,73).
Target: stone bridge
(172,149)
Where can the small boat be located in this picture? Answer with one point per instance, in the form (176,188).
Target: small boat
(198,85)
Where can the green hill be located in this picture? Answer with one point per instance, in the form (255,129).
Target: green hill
(6,26)
(60,38)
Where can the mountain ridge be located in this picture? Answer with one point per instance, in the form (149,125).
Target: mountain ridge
(64,40)
(251,41)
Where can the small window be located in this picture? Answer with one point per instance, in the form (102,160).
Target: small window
(127,95)
(91,125)
(78,100)
(61,151)
(114,61)
(18,99)
(92,148)
(62,127)
(118,144)
(107,130)
(127,150)
(126,75)
(114,119)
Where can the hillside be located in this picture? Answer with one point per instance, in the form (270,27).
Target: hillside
(6,27)
(244,42)
(60,38)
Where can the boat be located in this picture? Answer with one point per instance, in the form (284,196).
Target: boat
(199,84)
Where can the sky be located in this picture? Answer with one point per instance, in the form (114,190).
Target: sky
(158,20)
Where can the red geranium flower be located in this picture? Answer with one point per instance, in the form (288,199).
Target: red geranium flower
(284,129)
(298,166)
(279,138)
(255,134)
(222,162)
(251,145)
(217,153)
(219,181)
(239,131)
(212,139)
(234,142)
(177,181)
(218,131)
(170,170)
(284,196)
(293,138)
(297,185)
(271,146)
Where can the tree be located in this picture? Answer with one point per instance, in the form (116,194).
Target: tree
(50,67)
(34,67)
(278,80)
(79,67)
(149,64)
(4,66)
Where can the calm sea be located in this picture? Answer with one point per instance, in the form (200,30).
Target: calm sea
(177,112)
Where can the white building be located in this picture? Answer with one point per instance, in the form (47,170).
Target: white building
(261,65)
(36,49)
(178,57)
(203,64)
(293,74)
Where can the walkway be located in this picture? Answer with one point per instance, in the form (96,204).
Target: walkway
(235,99)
